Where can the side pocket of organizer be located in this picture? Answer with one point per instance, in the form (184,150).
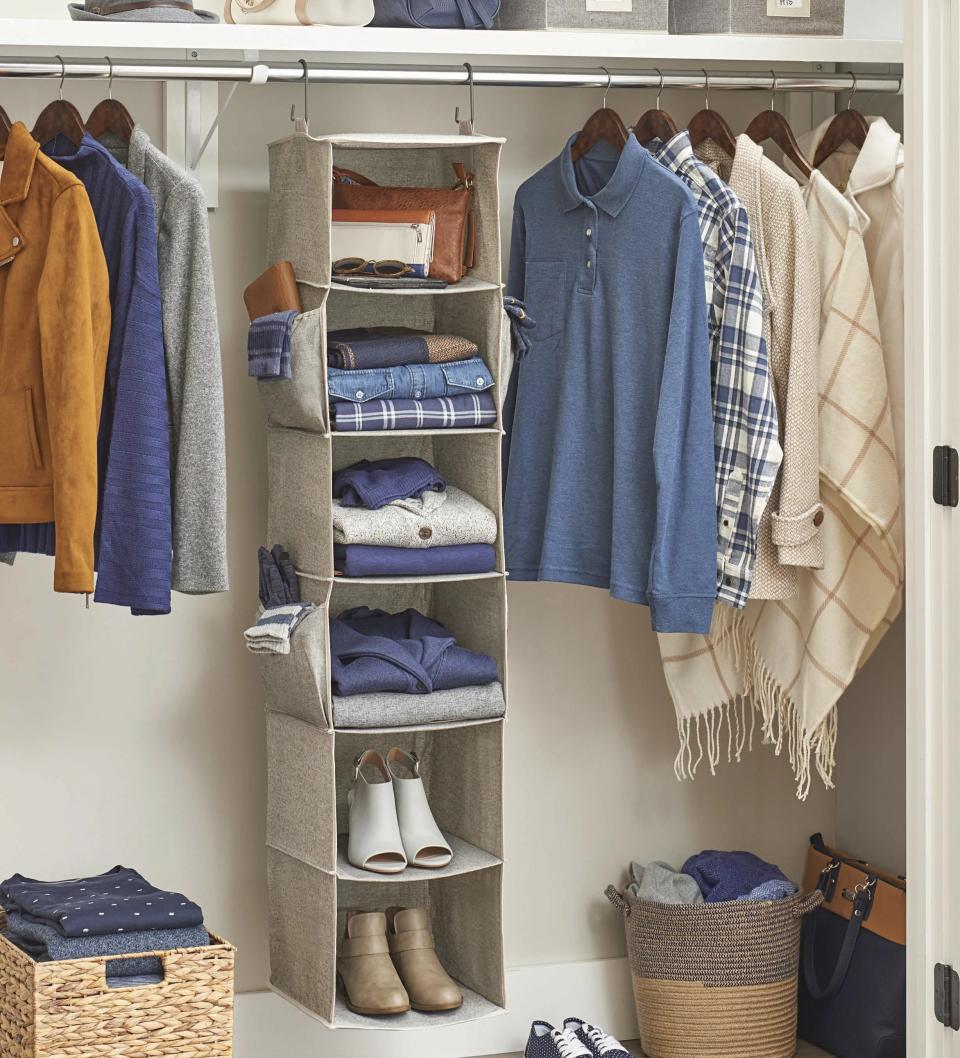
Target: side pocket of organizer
(300,402)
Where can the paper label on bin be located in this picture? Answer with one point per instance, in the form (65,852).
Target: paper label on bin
(610,5)
(788,8)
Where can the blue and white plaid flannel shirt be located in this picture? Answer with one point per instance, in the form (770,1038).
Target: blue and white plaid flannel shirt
(746,427)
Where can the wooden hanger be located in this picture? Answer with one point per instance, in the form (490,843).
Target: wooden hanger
(772,125)
(5,128)
(603,124)
(59,117)
(656,124)
(707,124)
(849,126)
(110,117)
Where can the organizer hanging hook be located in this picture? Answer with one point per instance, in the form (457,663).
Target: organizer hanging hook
(456,113)
(63,74)
(853,91)
(773,89)
(110,82)
(609,84)
(306,96)
(659,87)
(706,90)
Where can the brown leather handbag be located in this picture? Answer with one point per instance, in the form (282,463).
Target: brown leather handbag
(455,239)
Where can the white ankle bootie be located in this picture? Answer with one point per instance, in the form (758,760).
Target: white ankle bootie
(423,843)
(374,843)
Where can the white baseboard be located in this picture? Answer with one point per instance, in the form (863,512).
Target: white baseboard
(267,1026)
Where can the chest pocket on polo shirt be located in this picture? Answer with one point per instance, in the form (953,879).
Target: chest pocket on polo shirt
(545,297)
(372,385)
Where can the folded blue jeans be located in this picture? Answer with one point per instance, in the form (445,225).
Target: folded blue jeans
(409,381)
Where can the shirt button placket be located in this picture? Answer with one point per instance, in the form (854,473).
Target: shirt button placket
(588,280)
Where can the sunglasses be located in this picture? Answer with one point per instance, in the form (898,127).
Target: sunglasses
(352,266)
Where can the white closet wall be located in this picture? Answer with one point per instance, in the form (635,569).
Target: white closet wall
(142,740)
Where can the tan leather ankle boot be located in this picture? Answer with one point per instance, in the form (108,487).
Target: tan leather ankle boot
(369,979)
(429,986)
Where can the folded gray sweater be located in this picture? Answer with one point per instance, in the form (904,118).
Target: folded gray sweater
(405,710)
(436,519)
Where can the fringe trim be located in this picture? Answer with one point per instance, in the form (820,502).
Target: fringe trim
(734,722)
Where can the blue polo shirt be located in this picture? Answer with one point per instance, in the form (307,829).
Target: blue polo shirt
(610,460)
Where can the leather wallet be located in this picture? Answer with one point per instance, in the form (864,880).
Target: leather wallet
(275,291)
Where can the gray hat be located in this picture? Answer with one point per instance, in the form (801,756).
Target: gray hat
(139,11)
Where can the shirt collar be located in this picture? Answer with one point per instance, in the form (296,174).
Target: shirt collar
(616,193)
(876,162)
(18,165)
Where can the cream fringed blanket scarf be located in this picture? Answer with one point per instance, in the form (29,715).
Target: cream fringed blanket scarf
(790,660)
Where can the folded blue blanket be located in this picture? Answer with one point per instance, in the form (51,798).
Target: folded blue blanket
(434,413)
(116,902)
(375,483)
(269,346)
(40,938)
(731,875)
(373,651)
(367,560)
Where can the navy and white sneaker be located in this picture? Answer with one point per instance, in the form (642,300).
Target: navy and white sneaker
(547,1042)
(599,1044)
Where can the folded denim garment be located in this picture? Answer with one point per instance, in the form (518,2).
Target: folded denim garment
(269,346)
(414,381)
(364,347)
(405,710)
(436,519)
(731,875)
(359,560)
(118,901)
(275,627)
(437,413)
(375,483)
(56,947)
(373,651)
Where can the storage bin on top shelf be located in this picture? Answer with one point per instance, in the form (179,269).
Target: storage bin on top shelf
(807,17)
(644,15)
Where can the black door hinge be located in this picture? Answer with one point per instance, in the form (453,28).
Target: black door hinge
(946,996)
(946,476)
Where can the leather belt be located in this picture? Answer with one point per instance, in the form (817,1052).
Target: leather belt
(142,5)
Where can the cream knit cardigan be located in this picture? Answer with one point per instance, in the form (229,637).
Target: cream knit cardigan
(790,660)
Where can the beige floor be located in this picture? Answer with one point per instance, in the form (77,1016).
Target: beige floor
(804,1050)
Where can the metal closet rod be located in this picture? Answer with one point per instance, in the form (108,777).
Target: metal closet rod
(503,77)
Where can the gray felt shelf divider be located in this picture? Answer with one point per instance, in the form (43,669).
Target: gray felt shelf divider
(311,886)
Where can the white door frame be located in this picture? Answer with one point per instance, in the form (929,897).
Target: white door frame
(932,135)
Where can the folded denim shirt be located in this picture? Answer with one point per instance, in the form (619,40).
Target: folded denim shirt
(464,412)
(362,560)
(435,519)
(375,483)
(373,651)
(409,381)
(363,347)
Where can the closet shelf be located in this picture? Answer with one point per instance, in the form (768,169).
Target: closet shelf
(466,859)
(442,578)
(400,44)
(441,725)
(467,285)
(475,1008)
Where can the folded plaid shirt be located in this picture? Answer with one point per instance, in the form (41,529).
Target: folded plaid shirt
(436,413)
(746,428)
(268,346)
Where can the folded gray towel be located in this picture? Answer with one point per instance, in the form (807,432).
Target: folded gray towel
(659,883)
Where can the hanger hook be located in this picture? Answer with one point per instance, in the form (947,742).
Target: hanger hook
(306,96)
(456,113)
(853,90)
(773,89)
(609,83)
(110,84)
(706,90)
(63,73)
(659,87)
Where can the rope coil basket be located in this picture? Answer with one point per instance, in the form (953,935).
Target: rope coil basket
(716,980)
(66,1009)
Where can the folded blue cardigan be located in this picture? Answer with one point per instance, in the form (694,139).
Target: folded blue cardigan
(374,651)
(375,483)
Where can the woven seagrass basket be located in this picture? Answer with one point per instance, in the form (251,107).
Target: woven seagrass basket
(66,1009)
(716,980)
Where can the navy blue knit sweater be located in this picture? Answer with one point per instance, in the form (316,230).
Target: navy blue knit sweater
(133,534)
